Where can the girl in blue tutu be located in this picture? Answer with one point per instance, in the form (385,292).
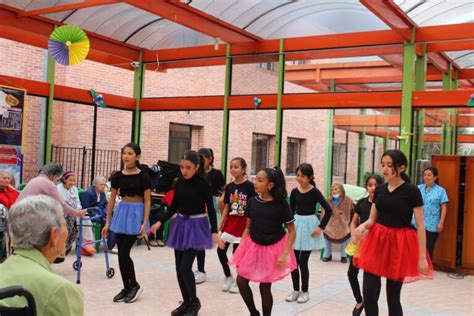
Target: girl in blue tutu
(130,217)
(190,232)
(303,201)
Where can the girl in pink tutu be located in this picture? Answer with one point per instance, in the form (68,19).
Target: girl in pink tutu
(392,248)
(265,253)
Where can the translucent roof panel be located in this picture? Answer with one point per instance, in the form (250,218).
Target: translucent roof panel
(438,12)
(282,19)
(121,22)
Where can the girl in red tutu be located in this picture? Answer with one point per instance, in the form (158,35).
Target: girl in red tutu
(265,253)
(392,248)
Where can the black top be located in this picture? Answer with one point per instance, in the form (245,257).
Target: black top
(267,217)
(217,181)
(362,209)
(305,204)
(395,209)
(131,184)
(191,198)
(237,196)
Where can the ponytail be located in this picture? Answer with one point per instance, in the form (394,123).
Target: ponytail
(197,160)
(278,191)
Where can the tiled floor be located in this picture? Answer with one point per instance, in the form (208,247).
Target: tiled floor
(329,289)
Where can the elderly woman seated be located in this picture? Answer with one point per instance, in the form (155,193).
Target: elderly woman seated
(8,194)
(39,232)
(95,196)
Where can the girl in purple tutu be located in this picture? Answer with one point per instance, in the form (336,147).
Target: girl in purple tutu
(265,253)
(190,232)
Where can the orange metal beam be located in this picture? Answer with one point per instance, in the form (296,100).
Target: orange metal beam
(466,74)
(441,98)
(66,7)
(436,138)
(371,131)
(392,15)
(445,33)
(67,94)
(197,20)
(450,46)
(431,120)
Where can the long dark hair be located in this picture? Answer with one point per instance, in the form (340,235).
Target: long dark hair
(196,159)
(207,153)
(307,170)
(136,149)
(434,171)
(398,159)
(278,191)
(376,177)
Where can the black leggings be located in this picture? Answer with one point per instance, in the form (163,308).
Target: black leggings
(201,260)
(127,270)
(431,242)
(372,292)
(222,254)
(247,295)
(302,258)
(352,274)
(184,271)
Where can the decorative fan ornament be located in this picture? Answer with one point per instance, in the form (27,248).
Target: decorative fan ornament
(68,45)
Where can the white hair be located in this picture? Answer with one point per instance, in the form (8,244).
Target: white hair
(31,220)
(97,180)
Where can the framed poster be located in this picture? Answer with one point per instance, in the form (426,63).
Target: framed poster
(12,104)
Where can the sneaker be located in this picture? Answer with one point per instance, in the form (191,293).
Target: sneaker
(193,308)
(344,259)
(293,296)
(303,297)
(234,289)
(180,310)
(121,296)
(200,277)
(160,243)
(228,281)
(133,294)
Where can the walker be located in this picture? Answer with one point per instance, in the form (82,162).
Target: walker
(109,271)
(5,245)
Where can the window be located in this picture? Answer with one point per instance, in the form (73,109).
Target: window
(339,159)
(293,155)
(260,146)
(179,141)
(267,66)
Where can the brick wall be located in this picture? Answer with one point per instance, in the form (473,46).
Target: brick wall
(72,123)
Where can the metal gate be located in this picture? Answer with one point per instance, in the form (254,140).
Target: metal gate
(79,160)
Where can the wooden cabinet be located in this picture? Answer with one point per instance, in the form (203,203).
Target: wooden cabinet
(455,246)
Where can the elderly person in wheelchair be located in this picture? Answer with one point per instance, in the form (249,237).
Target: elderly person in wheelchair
(38,229)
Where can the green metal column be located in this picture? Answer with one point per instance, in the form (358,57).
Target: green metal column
(454,111)
(406,127)
(419,128)
(225,125)
(446,130)
(279,111)
(361,154)
(138,84)
(50,70)
(329,144)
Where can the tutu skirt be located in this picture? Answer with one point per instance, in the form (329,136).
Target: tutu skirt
(258,263)
(305,225)
(190,232)
(392,253)
(128,218)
